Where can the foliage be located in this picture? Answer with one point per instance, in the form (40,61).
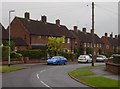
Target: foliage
(116,59)
(55,44)
(12,44)
(34,54)
(108,54)
(15,55)
(5,52)
(89,50)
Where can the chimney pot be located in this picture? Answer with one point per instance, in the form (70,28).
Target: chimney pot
(27,15)
(111,35)
(116,36)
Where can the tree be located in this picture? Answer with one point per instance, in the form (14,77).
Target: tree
(12,44)
(55,44)
(89,50)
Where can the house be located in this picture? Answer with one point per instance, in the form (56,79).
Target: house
(5,37)
(35,33)
(4,33)
(110,44)
(84,39)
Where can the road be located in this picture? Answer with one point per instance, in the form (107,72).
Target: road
(42,75)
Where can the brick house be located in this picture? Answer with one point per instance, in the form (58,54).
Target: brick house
(110,44)
(5,37)
(35,33)
(84,39)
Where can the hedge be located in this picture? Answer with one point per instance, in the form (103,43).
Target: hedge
(34,54)
(5,53)
(116,59)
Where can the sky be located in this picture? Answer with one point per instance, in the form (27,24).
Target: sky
(70,14)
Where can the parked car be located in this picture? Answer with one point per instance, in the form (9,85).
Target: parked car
(101,58)
(84,58)
(57,60)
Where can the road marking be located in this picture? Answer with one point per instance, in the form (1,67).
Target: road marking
(38,76)
(42,71)
(45,84)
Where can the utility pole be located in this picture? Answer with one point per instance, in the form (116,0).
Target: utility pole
(93,33)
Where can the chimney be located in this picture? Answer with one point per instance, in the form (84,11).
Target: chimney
(111,35)
(116,36)
(58,22)
(75,28)
(106,34)
(84,30)
(92,31)
(44,19)
(27,15)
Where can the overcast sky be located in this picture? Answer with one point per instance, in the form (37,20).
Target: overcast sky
(69,13)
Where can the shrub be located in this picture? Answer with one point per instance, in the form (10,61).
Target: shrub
(15,55)
(116,59)
(5,53)
(68,55)
(34,54)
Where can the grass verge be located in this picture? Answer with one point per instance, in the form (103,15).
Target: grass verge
(101,82)
(81,73)
(6,69)
(84,76)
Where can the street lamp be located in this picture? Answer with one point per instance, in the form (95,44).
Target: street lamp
(9,37)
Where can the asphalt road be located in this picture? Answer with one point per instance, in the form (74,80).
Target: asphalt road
(42,75)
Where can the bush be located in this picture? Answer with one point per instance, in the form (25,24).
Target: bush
(116,59)
(5,53)
(68,55)
(34,54)
(15,55)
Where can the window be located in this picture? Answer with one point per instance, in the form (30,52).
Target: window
(100,45)
(97,45)
(94,45)
(84,44)
(39,37)
(107,46)
(25,37)
(68,40)
(88,44)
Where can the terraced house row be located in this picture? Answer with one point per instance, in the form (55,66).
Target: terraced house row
(33,34)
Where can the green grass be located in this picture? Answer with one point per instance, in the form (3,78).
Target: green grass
(6,69)
(81,73)
(101,82)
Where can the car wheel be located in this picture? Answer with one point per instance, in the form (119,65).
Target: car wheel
(87,61)
(65,63)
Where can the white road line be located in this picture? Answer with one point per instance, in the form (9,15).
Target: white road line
(42,71)
(38,76)
(45,84)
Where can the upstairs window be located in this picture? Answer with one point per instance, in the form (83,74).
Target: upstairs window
(68,40)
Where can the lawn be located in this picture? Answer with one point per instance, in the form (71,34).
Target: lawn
(101,82)
(81,73)
(6,69)
(89,78)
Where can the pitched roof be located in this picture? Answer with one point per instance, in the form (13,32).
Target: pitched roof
(113,41)
(5,35)
(87,37)
(45,29)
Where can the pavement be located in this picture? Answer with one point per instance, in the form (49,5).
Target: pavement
(101,71)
